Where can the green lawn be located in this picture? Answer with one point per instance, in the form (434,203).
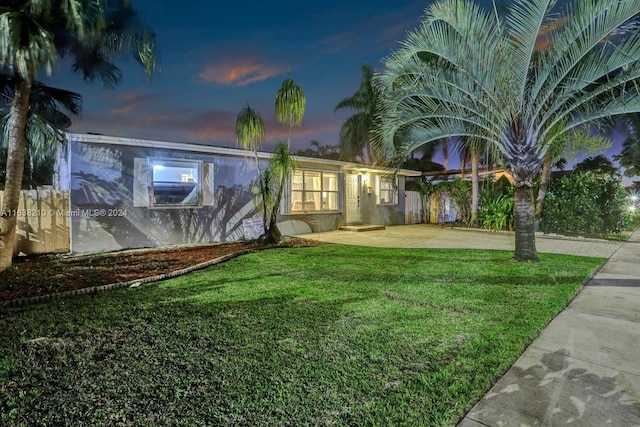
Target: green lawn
(327,335)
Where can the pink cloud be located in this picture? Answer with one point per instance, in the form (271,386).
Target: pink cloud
(240,72)
(127,102)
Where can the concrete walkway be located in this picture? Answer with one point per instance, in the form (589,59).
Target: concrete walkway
(584,368)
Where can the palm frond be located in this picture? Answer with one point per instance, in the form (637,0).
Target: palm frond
(586,51)
(525,20)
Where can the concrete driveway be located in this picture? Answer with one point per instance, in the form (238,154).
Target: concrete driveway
(434,236)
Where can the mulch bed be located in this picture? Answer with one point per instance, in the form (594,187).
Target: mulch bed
(51,274)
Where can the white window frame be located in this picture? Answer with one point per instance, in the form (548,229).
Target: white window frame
(322,190)
(382,181)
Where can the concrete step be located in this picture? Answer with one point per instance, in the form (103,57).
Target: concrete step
(363,227)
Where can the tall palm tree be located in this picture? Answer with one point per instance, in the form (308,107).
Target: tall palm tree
(464,72)
(35,35)
(290,104)
(355,138)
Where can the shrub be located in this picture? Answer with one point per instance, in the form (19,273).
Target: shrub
(496,212)
(496,204)
(585,203)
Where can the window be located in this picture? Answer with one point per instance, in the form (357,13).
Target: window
(159,182)
(175,182)
(313,191)
(387,190)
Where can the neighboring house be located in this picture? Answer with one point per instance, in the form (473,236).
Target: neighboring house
(133,193)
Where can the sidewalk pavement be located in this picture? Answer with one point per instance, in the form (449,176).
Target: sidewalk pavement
(584,368)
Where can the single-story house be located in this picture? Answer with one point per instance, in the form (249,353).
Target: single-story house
(134,193)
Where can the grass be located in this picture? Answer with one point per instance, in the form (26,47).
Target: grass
(327,335)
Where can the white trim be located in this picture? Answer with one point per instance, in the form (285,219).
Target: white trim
(181,146)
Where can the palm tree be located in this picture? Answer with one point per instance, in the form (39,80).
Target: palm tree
(250,135)
(290,105)
(281,164)
(48,117)
(465,73)
(35,36)
(355,132)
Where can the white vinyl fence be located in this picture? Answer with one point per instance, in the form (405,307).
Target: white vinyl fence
(413,211)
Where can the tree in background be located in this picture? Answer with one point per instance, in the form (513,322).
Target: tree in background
(629,157)
(578,141)
(465,72)
(355,132)
(597,164)
(322,151)
(35,36)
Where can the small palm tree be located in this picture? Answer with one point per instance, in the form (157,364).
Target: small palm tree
(355,137)
(464,72)
(250,135)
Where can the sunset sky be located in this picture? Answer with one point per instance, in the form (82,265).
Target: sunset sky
(218,56)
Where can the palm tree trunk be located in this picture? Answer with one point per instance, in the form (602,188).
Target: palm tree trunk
(14,170)
(445,154)
(463,166)
(274,232)
(524,218)
(263,192)
(475,186)
(372,159)
(545,178)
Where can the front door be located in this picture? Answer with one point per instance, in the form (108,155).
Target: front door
(353,199)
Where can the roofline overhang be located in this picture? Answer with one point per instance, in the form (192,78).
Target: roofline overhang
(234,152)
